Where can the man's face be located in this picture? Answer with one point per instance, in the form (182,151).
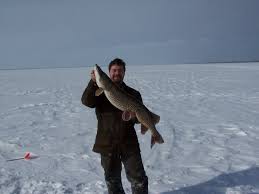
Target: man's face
(117,73)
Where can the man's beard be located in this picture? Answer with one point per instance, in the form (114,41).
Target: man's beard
(117,79)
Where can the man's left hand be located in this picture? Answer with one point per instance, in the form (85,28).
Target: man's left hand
(127,115)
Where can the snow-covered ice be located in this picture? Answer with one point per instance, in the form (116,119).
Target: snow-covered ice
(209,121)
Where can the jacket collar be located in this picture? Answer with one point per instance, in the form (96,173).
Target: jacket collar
(122,85)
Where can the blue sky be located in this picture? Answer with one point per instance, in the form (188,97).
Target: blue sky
(81,33)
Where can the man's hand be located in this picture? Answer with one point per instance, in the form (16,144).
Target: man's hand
(93,76)
(127,115)
(133,115)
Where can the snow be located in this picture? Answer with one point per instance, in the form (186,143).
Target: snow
(209,121)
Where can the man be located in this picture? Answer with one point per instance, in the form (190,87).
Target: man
(116,139)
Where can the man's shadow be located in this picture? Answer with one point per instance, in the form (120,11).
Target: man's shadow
(219,184)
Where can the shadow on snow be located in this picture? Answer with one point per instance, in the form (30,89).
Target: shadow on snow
(219,184)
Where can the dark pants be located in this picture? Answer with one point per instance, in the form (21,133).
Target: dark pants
(112,165)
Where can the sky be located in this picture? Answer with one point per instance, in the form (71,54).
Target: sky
(82,33)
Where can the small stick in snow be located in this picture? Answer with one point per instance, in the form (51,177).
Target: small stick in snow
(27,156)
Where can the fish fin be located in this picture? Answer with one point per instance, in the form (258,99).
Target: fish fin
(143,129)
(126,116)
(155,118)
(98,92)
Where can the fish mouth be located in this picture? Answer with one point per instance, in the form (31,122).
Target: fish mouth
(98,69)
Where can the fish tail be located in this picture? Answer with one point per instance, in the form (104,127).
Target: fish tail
(157,138)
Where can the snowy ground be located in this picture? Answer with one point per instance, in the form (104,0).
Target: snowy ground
(209,120)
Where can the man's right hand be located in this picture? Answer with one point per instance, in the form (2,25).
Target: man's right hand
(93,76)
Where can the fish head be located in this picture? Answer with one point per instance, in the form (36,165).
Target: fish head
(102,79)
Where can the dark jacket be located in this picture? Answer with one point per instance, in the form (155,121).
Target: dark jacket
(112,131)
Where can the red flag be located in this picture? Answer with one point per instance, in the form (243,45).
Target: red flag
(27,156)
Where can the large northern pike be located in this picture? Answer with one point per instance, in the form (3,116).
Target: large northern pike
(127,103)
